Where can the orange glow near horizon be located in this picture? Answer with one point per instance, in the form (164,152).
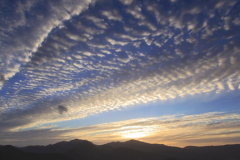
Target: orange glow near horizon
(134,134)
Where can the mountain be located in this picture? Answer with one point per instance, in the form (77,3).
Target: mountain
(158,149)
(130,154)
(60,147)
(129,150)
(225,152)
(85,151)
(11,153)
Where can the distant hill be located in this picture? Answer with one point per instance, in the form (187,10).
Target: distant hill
(60,147)
(160,150)
(11,153)
(146,147)
(129,150)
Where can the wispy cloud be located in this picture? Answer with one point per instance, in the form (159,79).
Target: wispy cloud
(177,130)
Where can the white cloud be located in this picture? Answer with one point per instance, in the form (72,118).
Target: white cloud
(112,15)
(113,42)
(136,12)
(18,45)
(219,4)
(89,30)
(97,21)
(179,53)
(230,86)
(105,51)
(87,53)
(154,9)
(149,25)
(237,21)
(126,2)
(226,25)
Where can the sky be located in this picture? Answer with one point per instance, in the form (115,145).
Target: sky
(160,71)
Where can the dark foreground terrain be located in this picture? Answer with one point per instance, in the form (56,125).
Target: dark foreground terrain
(130,150)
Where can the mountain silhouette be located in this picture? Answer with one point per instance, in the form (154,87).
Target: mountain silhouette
(129,150)
(11,153)
(60,147)
(142,146)
(160,150)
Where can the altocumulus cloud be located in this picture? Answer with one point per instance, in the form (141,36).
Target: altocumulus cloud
(96,56)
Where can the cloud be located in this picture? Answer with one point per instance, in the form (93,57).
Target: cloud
(97,21)
(99,58)
(2,78)
(112,15)
(126,2)
(18,42)
(237,21)
(62,109)
(178,130)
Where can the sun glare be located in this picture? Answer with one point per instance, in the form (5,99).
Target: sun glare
(134,133)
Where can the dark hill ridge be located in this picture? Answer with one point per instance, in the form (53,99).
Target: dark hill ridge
(60,147)
(157,149)
(11,153)
(142,146)
(131,154)
(129,150)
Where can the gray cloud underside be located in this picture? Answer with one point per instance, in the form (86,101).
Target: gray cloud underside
(110,57)
(62,109)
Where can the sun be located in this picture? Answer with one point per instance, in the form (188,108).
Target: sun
(134,134)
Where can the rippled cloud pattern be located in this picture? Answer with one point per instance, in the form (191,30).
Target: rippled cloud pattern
(64,60)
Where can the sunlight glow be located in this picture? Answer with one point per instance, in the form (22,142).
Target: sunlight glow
(137,131)
(134,134)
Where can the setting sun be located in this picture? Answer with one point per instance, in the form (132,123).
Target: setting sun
(134,134)
(136,131)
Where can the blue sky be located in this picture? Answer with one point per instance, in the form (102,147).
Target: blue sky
(163,71)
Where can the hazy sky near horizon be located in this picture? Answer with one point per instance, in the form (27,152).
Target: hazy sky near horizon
(161,71)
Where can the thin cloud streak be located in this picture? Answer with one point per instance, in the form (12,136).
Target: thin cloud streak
(177,130)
